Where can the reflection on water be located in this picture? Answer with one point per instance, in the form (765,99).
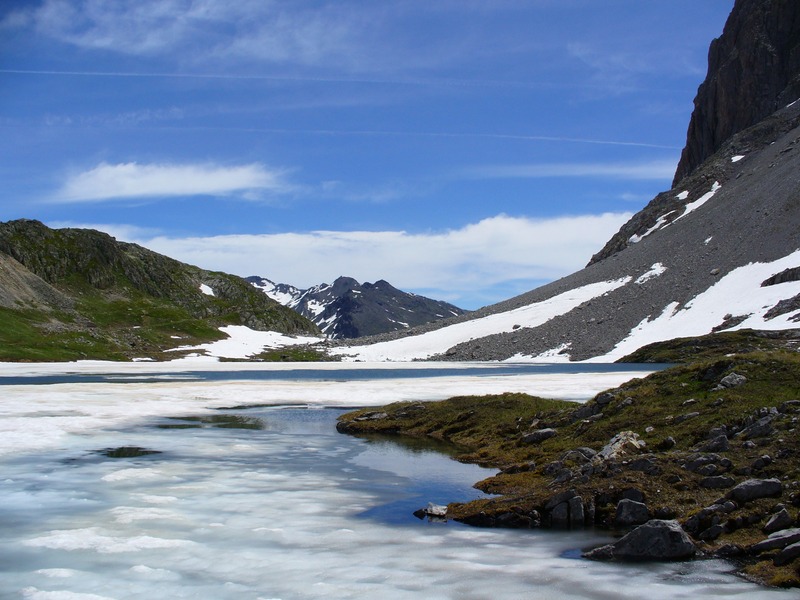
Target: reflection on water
(127,452)
(224,421)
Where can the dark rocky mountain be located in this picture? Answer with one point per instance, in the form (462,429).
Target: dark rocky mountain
(348,309)
(77,293)
(753,69)
(694,259)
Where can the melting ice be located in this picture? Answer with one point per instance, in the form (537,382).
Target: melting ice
(144,491)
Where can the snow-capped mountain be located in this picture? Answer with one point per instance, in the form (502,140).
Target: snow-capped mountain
(348,309)
(719,251)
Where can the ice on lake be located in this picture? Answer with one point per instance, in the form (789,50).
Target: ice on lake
(147,490)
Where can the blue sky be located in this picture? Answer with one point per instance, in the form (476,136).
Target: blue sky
(463,149)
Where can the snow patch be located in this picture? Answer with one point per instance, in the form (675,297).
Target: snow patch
(661,222)
(737,158)
(693,206)
(707,241)
(206,290)
(656,270)
(683,195)
(243,342)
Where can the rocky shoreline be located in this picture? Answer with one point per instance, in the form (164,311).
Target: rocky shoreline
(701,460)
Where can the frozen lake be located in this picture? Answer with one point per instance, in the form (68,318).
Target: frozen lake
(131,482)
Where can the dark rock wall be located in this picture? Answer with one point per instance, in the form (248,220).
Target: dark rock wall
(753,70)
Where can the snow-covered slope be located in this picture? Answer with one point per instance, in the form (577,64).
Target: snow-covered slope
(348,309)
(719,252)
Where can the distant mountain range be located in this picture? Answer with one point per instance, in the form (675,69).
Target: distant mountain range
(720,251)
(348,309)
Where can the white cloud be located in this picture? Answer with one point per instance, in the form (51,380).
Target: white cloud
(652,170)
(462,265)
(134,180)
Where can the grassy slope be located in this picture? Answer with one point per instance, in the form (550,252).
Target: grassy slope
(124,301)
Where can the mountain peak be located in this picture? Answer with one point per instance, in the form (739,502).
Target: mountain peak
(753,70)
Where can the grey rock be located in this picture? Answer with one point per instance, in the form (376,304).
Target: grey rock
(630,512)
(733,380)
(681,418)
(559,498)
(761,462)
(654,540)
(712,533)
(761,428)
(717,444)
(538,436)
(633,494)
(753,489)
(717,482)
(372,416)
(787,555)
(576,512)
(559,516)
(779,521)
(779,539)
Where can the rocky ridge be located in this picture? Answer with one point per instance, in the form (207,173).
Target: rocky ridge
(347,309)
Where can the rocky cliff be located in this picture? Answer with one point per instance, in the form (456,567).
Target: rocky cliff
(753,70)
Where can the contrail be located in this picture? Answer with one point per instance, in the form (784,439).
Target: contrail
(438,134)
(343,80)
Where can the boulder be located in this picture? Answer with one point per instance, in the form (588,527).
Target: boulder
(753,489)
(717,482)
(761,428)
(779,539)
(630,512)
(787,555)
(780,520)
(655,540)
(717,444)
(733,380)
(538,436)
(625,442)
(432,511)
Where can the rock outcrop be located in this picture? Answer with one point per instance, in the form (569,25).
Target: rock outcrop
(753,69)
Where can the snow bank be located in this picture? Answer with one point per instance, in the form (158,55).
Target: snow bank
(440,340)
(709,309)
(243,342)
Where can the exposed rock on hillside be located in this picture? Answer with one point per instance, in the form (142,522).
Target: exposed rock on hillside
(753,70)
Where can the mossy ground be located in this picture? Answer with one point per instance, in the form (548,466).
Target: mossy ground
(489,430)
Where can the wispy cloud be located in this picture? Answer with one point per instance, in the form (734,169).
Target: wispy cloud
(460,264)
(133,180)
(652,170)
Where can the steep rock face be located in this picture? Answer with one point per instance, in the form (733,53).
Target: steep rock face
(347,309)
(753,69)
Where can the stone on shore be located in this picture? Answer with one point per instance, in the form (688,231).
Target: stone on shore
(656,540)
